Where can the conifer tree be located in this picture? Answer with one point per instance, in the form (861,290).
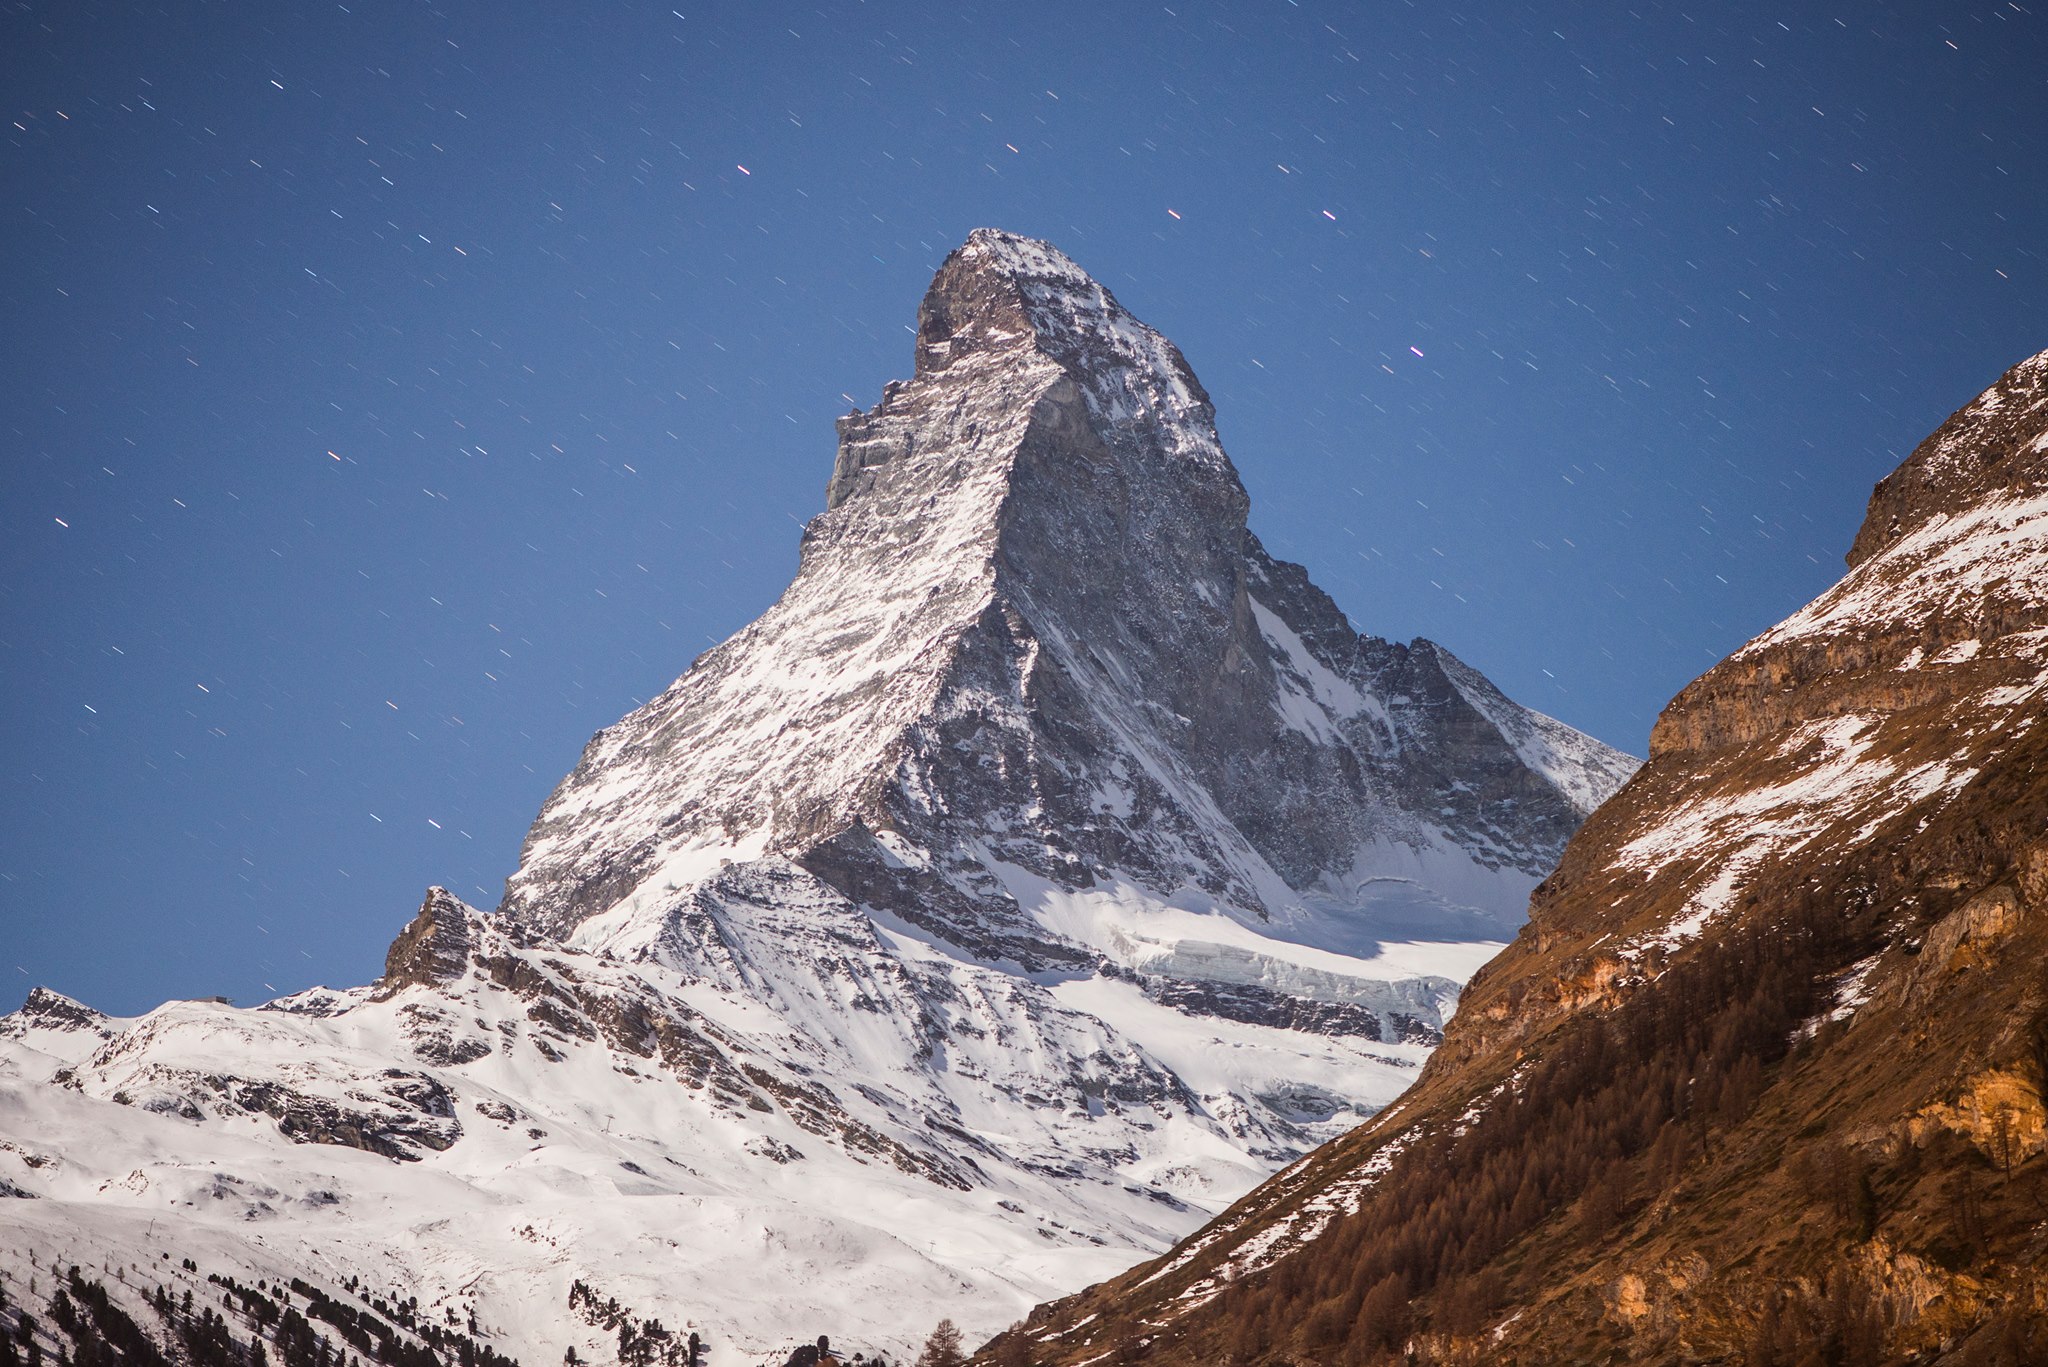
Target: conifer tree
(943,1348)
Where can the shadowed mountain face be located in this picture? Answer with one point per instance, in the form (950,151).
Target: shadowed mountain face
(1762,1078)
(1046,868)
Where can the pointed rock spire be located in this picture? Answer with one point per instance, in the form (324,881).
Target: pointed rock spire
(1031,643)
(434,946)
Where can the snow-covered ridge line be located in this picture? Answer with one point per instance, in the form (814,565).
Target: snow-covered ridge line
(1951,564)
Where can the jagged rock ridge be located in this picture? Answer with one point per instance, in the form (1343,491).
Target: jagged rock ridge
(1792,974)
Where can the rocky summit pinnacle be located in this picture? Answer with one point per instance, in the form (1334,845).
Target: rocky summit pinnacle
(1032,649)
(1033,652)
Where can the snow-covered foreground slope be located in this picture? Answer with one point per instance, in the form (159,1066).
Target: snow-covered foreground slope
(1046,868)
(503,1115)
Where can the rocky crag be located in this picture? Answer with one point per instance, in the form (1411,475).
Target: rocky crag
(1032,650)
(1761,1080)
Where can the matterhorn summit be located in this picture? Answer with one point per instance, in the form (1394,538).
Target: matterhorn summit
(1047,867)
(1039,697)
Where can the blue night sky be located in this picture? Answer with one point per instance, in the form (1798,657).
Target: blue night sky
(396,393)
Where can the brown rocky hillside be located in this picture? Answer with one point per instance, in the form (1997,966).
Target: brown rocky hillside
(1761,1080)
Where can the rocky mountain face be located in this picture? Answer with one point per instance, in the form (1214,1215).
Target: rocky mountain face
(1049,865)
(1033,654)
(1761,1081)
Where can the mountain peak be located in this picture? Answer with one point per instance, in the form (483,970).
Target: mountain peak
(999,294)
(1049,861)
(999,290)
(1032,642)
(434,946)
(977,299)
(1951,558)
(55,1011)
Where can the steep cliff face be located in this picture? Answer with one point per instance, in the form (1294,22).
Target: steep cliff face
(1762,1078)
(1048,866)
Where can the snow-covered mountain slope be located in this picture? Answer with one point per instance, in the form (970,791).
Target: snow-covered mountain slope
(1045,868)
(501,1115)
(870,1135)
(1775,1022)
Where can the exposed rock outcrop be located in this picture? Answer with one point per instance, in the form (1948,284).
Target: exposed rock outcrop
(433,948)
